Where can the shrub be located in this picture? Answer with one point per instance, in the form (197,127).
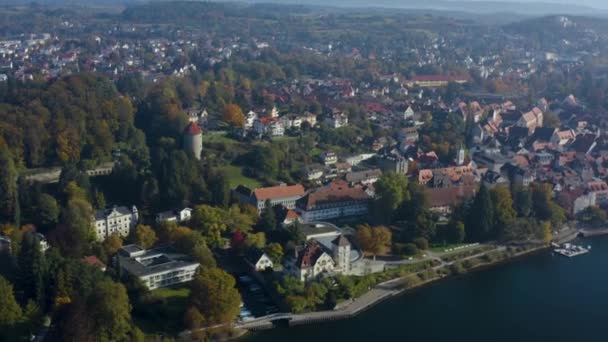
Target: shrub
(421,243)
(410,249)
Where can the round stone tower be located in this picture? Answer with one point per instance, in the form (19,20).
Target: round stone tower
(193,139)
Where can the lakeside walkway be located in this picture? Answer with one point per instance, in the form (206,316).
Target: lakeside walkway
(374,296)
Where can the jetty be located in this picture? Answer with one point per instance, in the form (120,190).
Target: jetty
(570,250)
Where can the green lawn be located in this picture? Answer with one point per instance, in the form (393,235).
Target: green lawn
(217,137)
(441,248)
(164,312)
(236,177)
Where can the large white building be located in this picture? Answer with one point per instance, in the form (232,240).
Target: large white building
(159,267)
(116,220)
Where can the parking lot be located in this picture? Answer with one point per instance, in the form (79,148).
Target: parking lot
(256,301)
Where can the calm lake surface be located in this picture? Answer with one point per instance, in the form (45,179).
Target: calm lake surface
(543,297)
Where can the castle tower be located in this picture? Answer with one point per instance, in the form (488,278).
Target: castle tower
(193,139)
(341,254)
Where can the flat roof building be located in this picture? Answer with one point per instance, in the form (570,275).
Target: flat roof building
(158,267)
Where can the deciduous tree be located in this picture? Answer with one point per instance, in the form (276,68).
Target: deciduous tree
(233,115)
(214,295)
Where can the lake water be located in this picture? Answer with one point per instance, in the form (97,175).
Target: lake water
(543,297)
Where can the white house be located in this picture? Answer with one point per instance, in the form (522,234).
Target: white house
(337,120)
(116,220)
(181,215)
(317,258)
(258,260)
(310,262)
(329,158)
(250,118)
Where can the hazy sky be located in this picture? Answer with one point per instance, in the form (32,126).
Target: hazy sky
(592,3)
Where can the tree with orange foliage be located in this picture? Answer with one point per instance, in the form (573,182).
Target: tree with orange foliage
(233,115)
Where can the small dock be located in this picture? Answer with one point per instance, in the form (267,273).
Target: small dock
(570,250)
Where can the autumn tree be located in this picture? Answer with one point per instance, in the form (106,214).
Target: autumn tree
(374,240)
(76,230)
(112,244)
(211,222)
(233,115)
(543,206)
(214,295)
(10,311)
(144,236)
(275,252)
(504,213)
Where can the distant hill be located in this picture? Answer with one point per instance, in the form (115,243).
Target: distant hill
(473,6)
(551,28)
(539,8)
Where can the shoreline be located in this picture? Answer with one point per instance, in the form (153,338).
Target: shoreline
(394,288)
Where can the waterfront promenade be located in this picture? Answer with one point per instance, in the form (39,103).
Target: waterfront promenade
(352,308)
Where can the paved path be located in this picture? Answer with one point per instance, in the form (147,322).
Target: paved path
(378,293)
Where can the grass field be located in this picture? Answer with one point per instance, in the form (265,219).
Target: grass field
(217,137)
(236,177)
(164,313)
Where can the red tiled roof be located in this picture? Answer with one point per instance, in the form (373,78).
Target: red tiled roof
(439,78)
(335,192)
(192,129)
(281,191)
(442,197)
(308,256)
(93,260)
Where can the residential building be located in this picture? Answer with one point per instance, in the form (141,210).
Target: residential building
(363,177)
(285,195)
(336,200)
(392,163)
(310,262)
(329,158)
(116,220)
(443,200)
(531,119)
(258,260)
(269,125)
(337,120)
(433,81)
(181,215)
(159,267)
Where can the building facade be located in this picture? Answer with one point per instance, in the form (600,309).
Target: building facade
(336,200)
(116,220)
(285,195)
